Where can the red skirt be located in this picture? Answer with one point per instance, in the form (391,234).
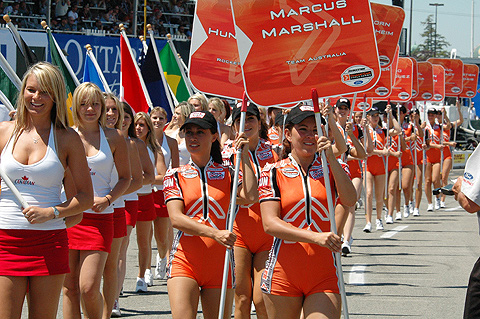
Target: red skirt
(119,223)
(131,212)
(33,252)
(146,208)
(95,232)
(160,207)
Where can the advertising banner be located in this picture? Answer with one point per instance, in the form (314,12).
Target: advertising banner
(288,47)
(425,81)
(214,61)
(453,75)
(402,88)
(360,102)
(470,80)
(414,78)
(438,83)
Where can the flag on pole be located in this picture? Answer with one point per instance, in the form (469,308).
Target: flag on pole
(132,87)
(28,54)
(173,74)
(71,81)
(8,87)
(153,80)
(92,72)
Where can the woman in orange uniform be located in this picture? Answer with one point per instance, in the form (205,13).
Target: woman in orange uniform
(252,244)
(300,275)
(418,146)
(376,166)
(198,197)
(434,155)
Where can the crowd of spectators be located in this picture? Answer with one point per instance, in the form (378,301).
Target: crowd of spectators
(165,16)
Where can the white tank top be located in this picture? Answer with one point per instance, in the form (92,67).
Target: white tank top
(101,166)
(40,185)
(167,155)
(147,189)
(133,195)
(119,202)
(183,154)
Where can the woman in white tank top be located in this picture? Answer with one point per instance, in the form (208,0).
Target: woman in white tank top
(90,241)
(41,151)
(182,111)
(163,230)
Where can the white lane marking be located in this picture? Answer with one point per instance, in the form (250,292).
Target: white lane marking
(452,209)
(393,232)
(357,275)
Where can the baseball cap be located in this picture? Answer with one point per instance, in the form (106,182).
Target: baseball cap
(203,119)
(251,109)
(343,101)
(374,110)
(279,119)
(299,113)
(432,111)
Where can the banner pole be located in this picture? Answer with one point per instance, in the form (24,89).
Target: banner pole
(233,206)
(97,67)
(399,149)
(10,73)
(386,159)
(331,208)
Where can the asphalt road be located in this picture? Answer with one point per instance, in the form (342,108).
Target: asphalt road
(415,268)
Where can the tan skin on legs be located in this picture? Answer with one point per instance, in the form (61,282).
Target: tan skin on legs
(319,305)
(163,232)
(350,223)
(144,242)
(419,191)
(110,278)
(447,167)
(392,190)
(250,266)
(184,294)
(432,176)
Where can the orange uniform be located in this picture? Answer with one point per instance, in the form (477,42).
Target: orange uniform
(375,163)
(447,153)
(248,222)
(407,158)
(393,147)
(206,195)
(297,268)
(273,136)
(353,164)
(434,154)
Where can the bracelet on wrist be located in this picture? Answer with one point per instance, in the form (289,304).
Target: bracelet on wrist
(109,203)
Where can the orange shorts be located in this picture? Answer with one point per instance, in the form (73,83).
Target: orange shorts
(376,165)
(299,269)
(434,156)
(249,230)
(199,258)
(392,163)
(447,153)
(354,168)
(407,159)
(419,157)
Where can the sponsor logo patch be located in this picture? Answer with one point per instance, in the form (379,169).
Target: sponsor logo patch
(189,173)
(197,115)
(215,176)
(316,173)
(290,172)
(24,181)
(468,176)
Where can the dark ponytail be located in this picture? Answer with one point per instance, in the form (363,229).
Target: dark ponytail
(216,153)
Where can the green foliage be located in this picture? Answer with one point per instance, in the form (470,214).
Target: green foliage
(426,49)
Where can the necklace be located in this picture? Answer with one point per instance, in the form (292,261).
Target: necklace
(35,140)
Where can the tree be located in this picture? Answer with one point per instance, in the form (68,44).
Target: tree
(425,50)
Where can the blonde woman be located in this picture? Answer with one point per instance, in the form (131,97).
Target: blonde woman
(217,108)
(181,113)
(199,102)
(38,149)
(90,241)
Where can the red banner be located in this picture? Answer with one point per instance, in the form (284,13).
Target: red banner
(214,60)
(288,47)
(425,81)
(415,79)
(402,88)
(438,83)
(388,23)
(470,80)
(453,75)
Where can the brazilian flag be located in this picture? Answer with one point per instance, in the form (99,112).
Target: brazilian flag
(173,74)
(8,88)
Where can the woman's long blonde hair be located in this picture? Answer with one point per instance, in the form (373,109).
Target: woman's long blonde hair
(51,81)
(150,138)
(87,93)
(121,113)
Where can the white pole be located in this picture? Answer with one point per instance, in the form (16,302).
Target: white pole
(13,188)
(6,102)
(97,67)
(10,73)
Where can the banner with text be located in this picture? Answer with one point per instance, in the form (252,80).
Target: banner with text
(214,61)
(414,78)
(402,88)
(288,47)
(438,83)
(425,81)
(453,75)
(470,80)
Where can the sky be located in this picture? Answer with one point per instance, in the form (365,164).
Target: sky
(454,21)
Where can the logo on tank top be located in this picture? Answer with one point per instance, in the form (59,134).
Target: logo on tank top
(189,173)
(24,181)
(264,155)
(215,176)
(92,173)
(316,172)
(290,172)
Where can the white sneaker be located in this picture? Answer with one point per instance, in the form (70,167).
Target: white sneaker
(149,278)
(161,268)
(442,204)
(398,216)
(346,249)
(141,285)
(116,310)
(388,220)
(437,204)
(379,224)
(416,212)
(367,228)
(430,208)
(406,211)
